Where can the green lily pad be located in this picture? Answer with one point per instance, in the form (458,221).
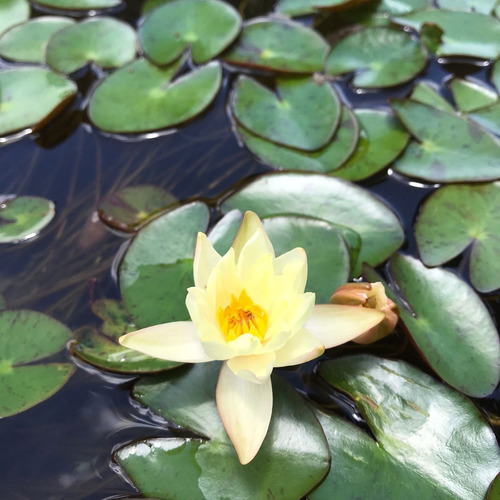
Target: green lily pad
(27,42)
(334,200)
(142,97)
(209,469)
(157,268)
(104,41)
(481,6)
(382,57)
(27,337)
(450,148)
(381,140)
(302,7)
(205,27)
(470,96)
(430,440)
(495,74)
(425,94)
(278,45)
(460,342)
(303,114)
(328,158)
(78,5)
(13,12)
(23,217)
(488,117)
(494,491)
(127,209)
(456,217)
(31,97)
(464,33)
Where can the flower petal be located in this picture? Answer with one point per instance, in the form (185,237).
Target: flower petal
(177,341)
(254,368)
(245,410)
(302,347)
(336,324)
(293,262)
(251,224)
(205,259)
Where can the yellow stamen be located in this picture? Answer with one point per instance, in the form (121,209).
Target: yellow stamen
(242,316)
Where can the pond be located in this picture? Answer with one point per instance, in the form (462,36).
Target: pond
(364,132)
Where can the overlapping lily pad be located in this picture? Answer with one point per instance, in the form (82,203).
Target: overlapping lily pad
(205,27)
(23,217)
(208,468)
(142,97)
(425,94)
(279,45)
(460,216)
(449,324)
(488,117)
(495,74)
(302,7)
(481,6)
(78,5)
(381,57)
(27,337)
(470,96)
(13,12)
(430,440)
(30,97)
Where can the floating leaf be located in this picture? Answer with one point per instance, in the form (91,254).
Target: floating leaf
(456,217)
(488,117)
(279,45)
(302,7)
(141,97)
(27,337)
(481,6)
(470,96)
(13,12)
(426,94)
(494,491)
(430,440)
(382,57)
(303,114)
(23,217)
(495,74)
(78,5)
(205,27)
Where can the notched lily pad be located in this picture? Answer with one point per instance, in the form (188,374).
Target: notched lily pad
(13,12)
(78,5)
(426,94)
(470,96)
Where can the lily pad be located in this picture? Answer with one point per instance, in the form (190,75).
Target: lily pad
(25,338)
(278,45)
(127,209)
(450,148)
(460,343)
(23,217)
(78,5)
(382,57)
(494,491)
(430,440)
(334,200)
(470,96)
(205,27)
(104,41)
(488,117)
(495,74)
(158,266)
(302,7)
(481,6)
(177,468)
(13,12)
(303,115)
(425,94)
(381,140)
(27,42)
(142,97)
(31,97)
(456,217)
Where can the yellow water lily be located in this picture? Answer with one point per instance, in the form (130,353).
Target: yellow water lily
(249,309)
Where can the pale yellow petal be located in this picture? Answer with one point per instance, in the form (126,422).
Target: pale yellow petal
(203,315)
(302,347)
(176,341)
(205,260)
(245,409)
(254,250)
(251,225)
(254,368)
(242,346)
(293,264)
(334,324)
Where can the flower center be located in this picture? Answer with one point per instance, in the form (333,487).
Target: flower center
(242,316)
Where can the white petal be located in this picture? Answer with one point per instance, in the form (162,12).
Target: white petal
(335,324)
(302,347)
(205,259)
(249,227)
(176,341)
(295,262)
(244,345)
(254,368)
(245,410)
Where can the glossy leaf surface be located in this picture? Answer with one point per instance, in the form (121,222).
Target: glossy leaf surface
(426,94)
(13,12)
(470,96)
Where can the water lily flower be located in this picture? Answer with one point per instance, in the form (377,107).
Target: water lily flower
(249,309)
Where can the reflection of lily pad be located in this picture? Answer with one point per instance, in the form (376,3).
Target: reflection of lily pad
(459,216)
(23,217)
(141,97)
(206,27)
(27,337)
(13,12)
(426,94)
(470,96)
(78,5)
(381,56)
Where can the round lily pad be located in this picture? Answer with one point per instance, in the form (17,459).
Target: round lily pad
(142,97)
(30,97)
(381,57)
(470,96)
(302,114)
(13,12)
(78,5)
(425,94)
(27,42)
(278,45)
(27,337)
(205,27)
(23,217)
(456,217)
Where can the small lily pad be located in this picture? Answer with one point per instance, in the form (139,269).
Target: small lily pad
(303,115)
(13,12)
(302,7)
(381,57)
(30,97)
(142,97)
(25,338)
(127,209)
(456,217)
(205,27)
(425,94)
(23,217)
(481,6)
(78,5)
(471,96)
(278,45)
